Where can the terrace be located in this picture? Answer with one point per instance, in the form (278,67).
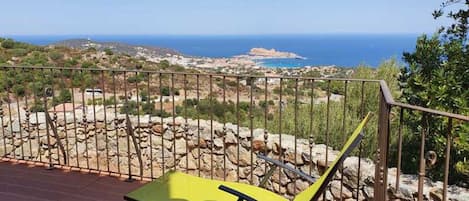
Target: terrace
(145,123)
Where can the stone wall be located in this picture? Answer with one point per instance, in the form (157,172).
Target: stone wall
(210,149)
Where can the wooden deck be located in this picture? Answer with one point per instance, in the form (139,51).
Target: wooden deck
(20,181)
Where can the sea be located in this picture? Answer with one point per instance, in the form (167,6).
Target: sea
(343,50)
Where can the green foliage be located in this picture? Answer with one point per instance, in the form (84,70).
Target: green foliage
(436,77)
(149,108)
(91,49)
(285,90)
(164,64)
(55,55)
(65,96)
(70,63)
(8,44)
(37,106)
(177,68)
(18,52)
(2,60)
(263,104)
(144,95)
(313,73)
(19,90)
(137,78)
(95,101)
(110,101)
(161,113)
(88,64)
(129,107)
(36,58)
(165,91)
(108,51)
(83,80)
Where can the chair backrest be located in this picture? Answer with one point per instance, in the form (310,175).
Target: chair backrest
(314,191)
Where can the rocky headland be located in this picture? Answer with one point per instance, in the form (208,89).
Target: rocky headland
(263,53)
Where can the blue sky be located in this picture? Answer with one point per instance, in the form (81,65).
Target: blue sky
(216,17)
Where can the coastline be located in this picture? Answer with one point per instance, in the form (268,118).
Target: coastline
(346,50)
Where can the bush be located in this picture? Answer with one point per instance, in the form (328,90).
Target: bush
(18,52)
(19,90)
(8,44)
(37,107)
(162,113)
(36,58)
(136,78)
(110,101)
(54,55)
(108,51)
(144,95)
(97,101)
(65,96)
(149,108)
(165,91)
(87,64)
(130,107)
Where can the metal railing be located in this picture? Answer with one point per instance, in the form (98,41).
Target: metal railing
(137,123)
(387,103)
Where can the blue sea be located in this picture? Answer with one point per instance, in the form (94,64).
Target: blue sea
(344,50)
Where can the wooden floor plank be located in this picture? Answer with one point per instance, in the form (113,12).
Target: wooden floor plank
(33,183)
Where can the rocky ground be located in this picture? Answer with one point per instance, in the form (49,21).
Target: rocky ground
(198,147)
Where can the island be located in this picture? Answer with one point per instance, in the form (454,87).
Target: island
(263,53)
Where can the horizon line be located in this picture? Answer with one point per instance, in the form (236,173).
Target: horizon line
(215,35)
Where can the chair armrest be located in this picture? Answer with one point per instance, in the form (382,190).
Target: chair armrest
(241,196)
(282,165)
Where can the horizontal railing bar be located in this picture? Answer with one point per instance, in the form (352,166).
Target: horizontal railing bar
(390,100)
(431,111)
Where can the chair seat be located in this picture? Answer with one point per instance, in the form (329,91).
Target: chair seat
(178,186)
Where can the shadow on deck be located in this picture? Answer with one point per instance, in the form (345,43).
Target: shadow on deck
(24,181)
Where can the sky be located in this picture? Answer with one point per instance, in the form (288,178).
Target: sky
(216,17)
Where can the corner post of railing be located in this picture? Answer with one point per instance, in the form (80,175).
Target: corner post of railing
(381,170)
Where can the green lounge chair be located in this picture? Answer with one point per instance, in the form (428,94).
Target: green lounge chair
(177,186)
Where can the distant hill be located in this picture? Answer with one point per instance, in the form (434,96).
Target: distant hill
(132,50)
(85,54)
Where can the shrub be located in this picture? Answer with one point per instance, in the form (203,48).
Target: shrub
(165,91)
(54,55)
(19,90)
(110,101)
(37,106)
(8,44)
(87,64)
(108,51)
(130,107)
(18,52)
(149,108)
(97,101)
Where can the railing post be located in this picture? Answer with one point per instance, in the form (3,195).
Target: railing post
(381,170)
